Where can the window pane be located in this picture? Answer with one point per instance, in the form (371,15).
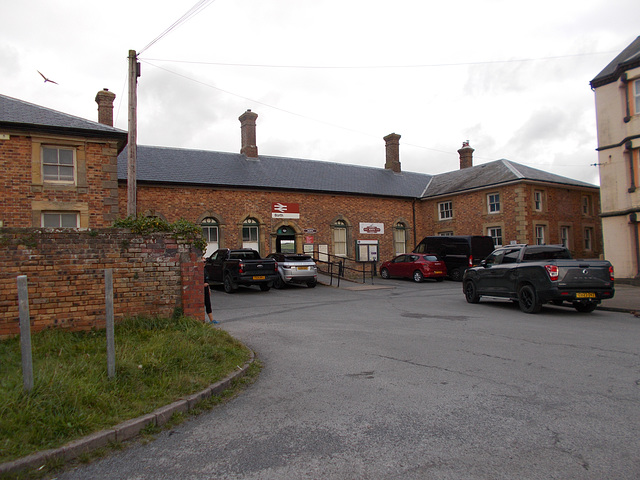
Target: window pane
(66,173)
(51,220)
(49,155)
(50,172)
(68,220)
(66,157)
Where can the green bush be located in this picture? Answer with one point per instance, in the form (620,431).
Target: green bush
(182,228)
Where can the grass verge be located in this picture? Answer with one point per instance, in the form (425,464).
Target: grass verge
(158,360)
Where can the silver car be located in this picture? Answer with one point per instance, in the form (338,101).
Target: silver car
(295,268)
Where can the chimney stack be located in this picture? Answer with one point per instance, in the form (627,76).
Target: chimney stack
(104,99)
(393,152)
(248,134)
(466,155)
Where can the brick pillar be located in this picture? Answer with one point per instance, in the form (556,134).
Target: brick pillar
(192,273)
(393,152)
(104,99)
(466,155)
(248,134)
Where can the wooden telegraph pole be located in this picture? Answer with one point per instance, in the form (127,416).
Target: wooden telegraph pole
(134,73)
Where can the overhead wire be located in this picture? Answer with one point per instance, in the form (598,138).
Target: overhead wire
(193,11)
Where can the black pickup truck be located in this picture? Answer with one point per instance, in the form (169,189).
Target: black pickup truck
(240,267)
(532,275)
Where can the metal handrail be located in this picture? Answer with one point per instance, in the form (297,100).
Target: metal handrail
(337,265)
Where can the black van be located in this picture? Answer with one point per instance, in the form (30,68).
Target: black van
(459,252)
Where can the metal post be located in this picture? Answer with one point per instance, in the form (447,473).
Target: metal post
(111,349)
(25,333)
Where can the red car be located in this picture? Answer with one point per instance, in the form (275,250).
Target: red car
(415,265)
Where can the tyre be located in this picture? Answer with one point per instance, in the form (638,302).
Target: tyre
(278,283)
(471,292)
(228,284)
(528,299)
(384,273)
(456,274)
(418,276)
(585,307)
(265,287)
(312,283)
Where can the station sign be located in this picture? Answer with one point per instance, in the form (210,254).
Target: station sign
(285,210)
(372,228)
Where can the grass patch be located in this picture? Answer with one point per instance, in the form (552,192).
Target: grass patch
(158,360)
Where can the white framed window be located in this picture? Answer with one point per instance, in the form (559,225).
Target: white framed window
(586,205)
(340,238)
(59,219)
(588,238)
(636,97)
(564,236)
(445,210)
(537,201)
(493,203)
(400,238)
(210,231)
(496,234)
(58,164)
(540,234)
(251,234)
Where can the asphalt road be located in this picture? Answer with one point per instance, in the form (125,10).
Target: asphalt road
(410,382)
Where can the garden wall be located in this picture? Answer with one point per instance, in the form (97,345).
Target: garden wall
(152,275)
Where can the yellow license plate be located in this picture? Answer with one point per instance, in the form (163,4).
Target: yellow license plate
(258,277)
(303,268)
(585,295)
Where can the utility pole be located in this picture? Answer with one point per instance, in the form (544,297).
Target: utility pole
(134,73)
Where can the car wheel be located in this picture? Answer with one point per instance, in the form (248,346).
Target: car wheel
(228,284)
(528,299)
(456,274)
(471,292)
(418,276)
(312,283)
(384,273)
(278,283)
(585,307)
(265,287)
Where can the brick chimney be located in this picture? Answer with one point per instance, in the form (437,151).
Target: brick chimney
(393,152)
(104,99)
(248,134)
(466,155)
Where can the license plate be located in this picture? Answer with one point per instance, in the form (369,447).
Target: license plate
(303,268)
(258,277)
(585,295)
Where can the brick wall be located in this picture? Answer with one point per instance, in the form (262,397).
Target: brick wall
(152,275)
(24,193)
(317,210)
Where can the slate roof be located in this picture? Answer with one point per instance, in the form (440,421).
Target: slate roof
(493,173)
(627,59)
(16,113)
(200,167)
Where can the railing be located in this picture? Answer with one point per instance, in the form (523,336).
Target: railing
(344,267)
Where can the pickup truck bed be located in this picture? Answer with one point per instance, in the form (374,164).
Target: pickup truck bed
(538,274)
(232,268)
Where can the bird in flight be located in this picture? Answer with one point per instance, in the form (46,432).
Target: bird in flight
(45,78)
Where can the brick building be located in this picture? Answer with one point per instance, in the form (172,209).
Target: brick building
(279,204)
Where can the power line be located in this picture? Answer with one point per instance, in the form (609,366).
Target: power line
(364,67)
(193,11)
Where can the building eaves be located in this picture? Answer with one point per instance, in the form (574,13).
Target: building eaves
(627,59)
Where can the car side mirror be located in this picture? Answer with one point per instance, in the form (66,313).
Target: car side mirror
(484,263)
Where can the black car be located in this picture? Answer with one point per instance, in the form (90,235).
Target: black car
(458,252)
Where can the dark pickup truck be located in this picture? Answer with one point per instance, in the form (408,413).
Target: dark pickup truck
(532,275)
(240,267)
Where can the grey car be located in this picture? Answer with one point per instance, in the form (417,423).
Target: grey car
(295,268)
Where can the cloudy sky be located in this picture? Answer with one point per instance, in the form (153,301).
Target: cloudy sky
(330,78)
